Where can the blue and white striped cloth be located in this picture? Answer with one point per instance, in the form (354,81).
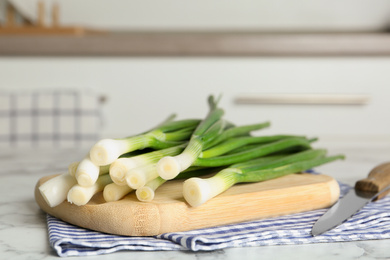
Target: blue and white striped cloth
(372,222)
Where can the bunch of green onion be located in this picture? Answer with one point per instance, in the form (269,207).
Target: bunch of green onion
(183,150)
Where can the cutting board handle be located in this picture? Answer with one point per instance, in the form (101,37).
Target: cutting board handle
(377,180)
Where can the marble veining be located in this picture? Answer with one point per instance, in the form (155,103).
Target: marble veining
(23,231)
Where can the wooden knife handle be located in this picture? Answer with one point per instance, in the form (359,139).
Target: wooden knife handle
(377,180)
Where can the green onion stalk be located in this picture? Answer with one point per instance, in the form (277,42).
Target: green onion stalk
(81,195)
(147,192)
(236,131)
(197,191)
(167,135)
(55,190)
(238,142)
(86,172)
(72,167)
(138,177)
(208,129)
(120,167)
(284,145)
(115,192)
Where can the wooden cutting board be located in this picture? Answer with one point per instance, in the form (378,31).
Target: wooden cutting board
(169,212)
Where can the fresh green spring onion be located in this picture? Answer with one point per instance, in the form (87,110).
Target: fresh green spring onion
(72,169)
(183,149)
(238,142)
(236,131)
(146,192)
(114,192)
(261,150)
(81,195)
(87,172)
(138,177)
(55,190)
(261,160)
(170,134)
(279,160)
(209,128)
(121,166)
(197,191)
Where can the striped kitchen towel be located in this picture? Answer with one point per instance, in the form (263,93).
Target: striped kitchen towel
(372,222)
(49,118)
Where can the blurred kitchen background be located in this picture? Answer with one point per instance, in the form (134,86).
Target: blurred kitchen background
(74,71)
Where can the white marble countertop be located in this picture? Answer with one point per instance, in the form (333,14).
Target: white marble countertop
(23,231)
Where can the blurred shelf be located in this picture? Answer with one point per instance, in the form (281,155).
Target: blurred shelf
(245,44)
(38,31)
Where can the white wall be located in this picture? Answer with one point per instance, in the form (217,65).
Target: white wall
(143,91)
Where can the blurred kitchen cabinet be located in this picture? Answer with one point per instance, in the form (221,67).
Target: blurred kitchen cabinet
(142,91)
(303,84)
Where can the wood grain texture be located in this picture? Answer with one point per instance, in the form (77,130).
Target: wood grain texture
(378,179)
(42,31)
(247,44)
(169,212)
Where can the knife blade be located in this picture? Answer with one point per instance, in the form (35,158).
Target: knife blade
(374,187)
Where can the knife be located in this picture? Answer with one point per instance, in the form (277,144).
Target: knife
(374,187)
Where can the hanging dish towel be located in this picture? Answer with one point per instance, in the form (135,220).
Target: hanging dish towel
(49,118)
